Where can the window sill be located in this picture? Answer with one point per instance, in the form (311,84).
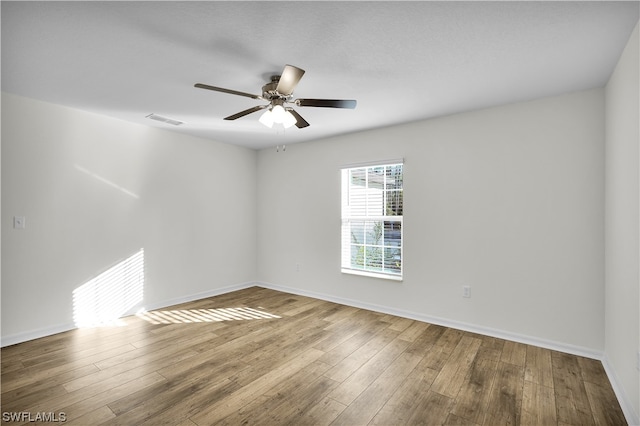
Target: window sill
(372,274)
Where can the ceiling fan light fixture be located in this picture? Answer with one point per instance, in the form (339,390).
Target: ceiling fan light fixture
(278,113)
(267,118)
(288,120)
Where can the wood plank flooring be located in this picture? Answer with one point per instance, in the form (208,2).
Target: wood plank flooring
(259,356)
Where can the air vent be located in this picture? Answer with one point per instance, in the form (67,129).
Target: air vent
(164,119)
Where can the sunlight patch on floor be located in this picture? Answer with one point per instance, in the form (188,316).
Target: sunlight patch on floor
(186,316)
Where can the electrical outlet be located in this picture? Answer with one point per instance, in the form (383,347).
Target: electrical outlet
(19,222)
(638,361)
(466,291)
(297,267)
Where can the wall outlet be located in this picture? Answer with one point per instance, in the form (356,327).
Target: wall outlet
(638,361)
(19,222)
(297,267)
(466,291)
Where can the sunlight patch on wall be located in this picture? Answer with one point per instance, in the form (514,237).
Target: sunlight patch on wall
(185,316)
(106,181)
(105,298)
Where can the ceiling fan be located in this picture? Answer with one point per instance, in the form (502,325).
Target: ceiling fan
(279,92)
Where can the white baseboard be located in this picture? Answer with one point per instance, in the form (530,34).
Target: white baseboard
(562,347)
(35,334)
(49,331)
(473,328)
(627,407)
(198,296)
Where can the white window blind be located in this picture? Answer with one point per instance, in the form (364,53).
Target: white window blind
(372,203)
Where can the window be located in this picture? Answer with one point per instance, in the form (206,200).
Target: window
(372,220)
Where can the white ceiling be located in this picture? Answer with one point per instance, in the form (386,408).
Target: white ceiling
(402,61)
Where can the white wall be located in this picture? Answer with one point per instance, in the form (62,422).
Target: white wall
(508,200)
(622,214)
(95,190)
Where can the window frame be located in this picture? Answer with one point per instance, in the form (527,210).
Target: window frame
(347,216)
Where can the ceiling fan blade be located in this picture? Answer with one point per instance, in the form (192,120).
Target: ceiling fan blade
(231,92)
(289,79)
(327,103)
(300,122)
(246,112)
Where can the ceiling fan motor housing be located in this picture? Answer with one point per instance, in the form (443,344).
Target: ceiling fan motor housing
(269,91)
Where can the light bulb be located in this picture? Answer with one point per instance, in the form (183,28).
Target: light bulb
(267,118)
(289,120)
(278,114)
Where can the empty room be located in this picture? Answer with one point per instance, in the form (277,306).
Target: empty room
(320,213)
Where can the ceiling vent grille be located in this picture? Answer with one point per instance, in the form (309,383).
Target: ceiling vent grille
(164,119)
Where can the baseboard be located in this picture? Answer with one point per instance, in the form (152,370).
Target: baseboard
(486,331)
(198,296)
(14,339)
(627,407)
(558,346)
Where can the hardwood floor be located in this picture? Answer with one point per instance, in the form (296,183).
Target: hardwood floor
(259,356)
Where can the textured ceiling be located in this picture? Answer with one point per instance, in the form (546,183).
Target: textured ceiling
(402,61)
